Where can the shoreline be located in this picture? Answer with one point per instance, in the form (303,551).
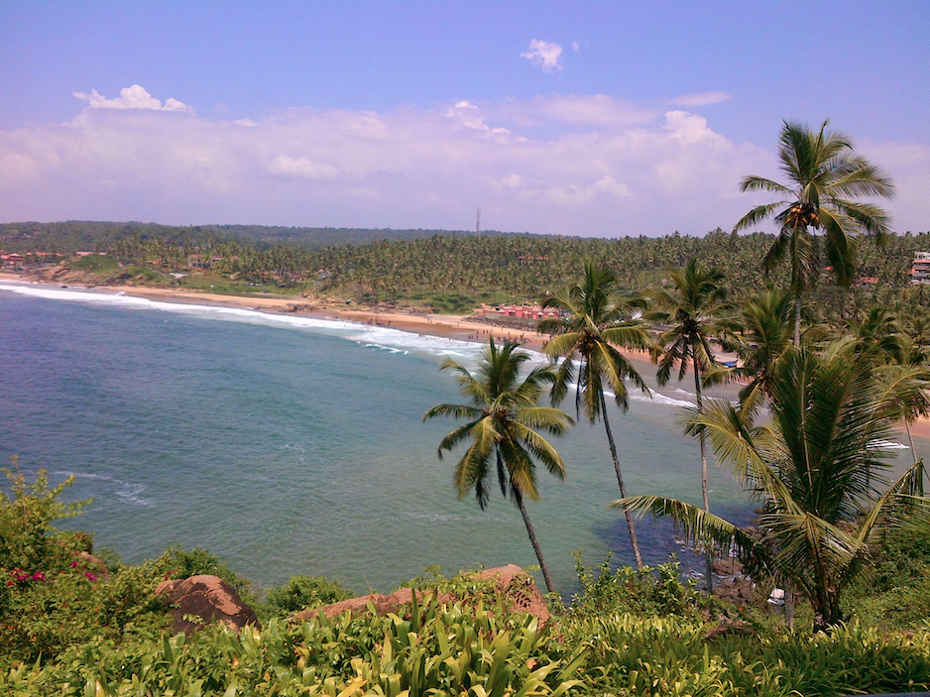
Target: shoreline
(442,326)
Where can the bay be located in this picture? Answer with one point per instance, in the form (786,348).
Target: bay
(290,445)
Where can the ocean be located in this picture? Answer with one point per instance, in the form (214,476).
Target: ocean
(290,445)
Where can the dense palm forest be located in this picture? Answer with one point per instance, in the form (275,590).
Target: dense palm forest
(454,271)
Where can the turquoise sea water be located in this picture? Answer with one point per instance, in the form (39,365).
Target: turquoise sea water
(290,445)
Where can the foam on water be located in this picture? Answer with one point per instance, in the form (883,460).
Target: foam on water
(386,338)
(128,492)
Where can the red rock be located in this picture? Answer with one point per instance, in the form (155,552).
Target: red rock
(208,597)
(513,583)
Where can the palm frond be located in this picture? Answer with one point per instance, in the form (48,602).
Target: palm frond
(456,411)
(696,524)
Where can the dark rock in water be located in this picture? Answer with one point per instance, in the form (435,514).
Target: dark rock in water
(208,597)
(514,585)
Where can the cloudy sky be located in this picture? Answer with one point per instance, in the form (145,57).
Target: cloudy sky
(553,117)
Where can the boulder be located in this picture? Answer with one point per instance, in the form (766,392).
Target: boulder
(519,588)
(207,597)
(513,584)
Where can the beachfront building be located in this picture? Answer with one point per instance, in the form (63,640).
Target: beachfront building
(535,312)
(920,268)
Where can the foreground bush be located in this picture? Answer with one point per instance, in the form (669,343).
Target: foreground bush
(436,652)
(65,630)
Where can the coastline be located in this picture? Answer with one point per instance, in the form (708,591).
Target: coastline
(443,326)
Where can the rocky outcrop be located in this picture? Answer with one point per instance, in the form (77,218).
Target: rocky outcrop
(519,588)
(513,584)
(399,600)
(207,597)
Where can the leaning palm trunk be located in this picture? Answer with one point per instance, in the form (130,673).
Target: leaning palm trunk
(532,533)
(708,558)
(613,453)
(910,439)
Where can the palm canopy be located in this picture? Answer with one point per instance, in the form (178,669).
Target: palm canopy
(878,338)
(818,472)
(502,423)
(691,311)
(763,335)
(824,179)
(589,336)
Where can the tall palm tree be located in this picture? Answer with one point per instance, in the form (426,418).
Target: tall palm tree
(590,334)
(691,309)
(501,424)
(823,179)
(811,468)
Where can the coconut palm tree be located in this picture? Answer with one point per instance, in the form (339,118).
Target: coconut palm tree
(823,181)
(691,309)
(814,469)
(764,333)
(878,339)
(591,332)
(501,425)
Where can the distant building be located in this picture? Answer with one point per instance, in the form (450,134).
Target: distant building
(518,311)
(920,268)
(12,259)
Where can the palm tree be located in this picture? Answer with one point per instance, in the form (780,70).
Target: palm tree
(691,310)
(811,469)
(823,178)
(590,334)
(878,339)
(764,335)
(501,423)
(906,384)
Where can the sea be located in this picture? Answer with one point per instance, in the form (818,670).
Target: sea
(291,445)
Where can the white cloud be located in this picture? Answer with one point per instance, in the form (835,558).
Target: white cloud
(302,167)
(133,97)
(544,54)
(588,164)
(579,109)
(700,99)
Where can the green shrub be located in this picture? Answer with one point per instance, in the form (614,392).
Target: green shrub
(96,263)
(302,592)
(649,591)
(28,542)
(434,653)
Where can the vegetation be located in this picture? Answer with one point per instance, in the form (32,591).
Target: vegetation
(823,181)
(690,310)
(626,632)
(835,376)
(591,332)
(814,468)
(501,423)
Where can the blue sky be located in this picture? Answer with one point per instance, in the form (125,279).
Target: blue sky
(582,118)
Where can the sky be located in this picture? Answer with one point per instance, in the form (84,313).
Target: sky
(579,118)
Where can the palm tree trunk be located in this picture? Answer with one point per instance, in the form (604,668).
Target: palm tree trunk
(797,320)
(518,496)
(708,558)
(613,453)
(910,440)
